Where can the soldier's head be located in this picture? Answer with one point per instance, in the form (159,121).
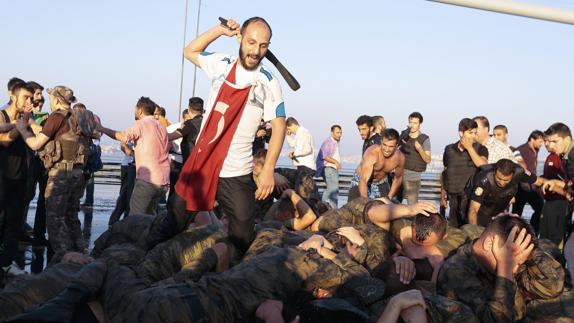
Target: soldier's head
(365,126)
(500,227)
(389,142)
(61,97)
(21,97)
(558,138)
(504,171)
(428,230)
(467,129)
(145,107)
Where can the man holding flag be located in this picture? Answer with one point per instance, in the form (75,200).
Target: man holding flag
(243,92)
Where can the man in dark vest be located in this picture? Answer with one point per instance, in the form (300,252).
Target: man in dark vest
(63,146)
(461,161)
(416,147)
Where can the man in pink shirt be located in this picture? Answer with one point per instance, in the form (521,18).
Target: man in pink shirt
(151,157)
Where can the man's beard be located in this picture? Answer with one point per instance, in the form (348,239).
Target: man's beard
(242,58)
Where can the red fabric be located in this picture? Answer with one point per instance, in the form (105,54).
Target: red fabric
(553,170)
(199,176)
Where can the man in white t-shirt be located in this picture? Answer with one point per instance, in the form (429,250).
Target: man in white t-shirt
(236,189)
(301,141)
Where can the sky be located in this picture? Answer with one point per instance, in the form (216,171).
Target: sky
(379,57)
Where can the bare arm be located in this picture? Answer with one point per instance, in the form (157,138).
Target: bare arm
(174,135)
(116,135)
(199,44)
(476,158)
(473,212)
(306,214)
(382,215)
(126,149)
(398,180)
(365,171)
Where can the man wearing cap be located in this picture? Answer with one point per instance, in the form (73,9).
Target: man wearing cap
(62,149)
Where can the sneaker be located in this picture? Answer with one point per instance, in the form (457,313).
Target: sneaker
(13,270)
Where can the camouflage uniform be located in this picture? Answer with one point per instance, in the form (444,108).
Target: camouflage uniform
(278,273)
(349,214)
(31,290)
(496,299)
(63,193)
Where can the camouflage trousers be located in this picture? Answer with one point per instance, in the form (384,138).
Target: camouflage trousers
(63,193)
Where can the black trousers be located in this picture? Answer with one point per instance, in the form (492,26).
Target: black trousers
(536,202)
(174,170)
(458,204)
(11,218)
(128,178)
(236,198)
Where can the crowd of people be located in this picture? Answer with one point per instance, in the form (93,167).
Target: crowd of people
(245,240)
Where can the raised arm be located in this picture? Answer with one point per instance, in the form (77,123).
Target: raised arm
(199,44)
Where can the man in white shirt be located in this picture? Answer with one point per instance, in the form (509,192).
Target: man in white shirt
(175,155)
(230,177)
(301,141)
(497,150)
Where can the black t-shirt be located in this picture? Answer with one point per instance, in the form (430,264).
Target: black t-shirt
(189,132)
(13,158)
(459,167)
(373,140)
(492,198)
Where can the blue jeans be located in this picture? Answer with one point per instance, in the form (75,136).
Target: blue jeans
(331,193)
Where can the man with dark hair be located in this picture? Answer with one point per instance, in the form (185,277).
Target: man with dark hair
(367,132)
(159,115)
(528,193)
(243,92)
(496,148)
(497,274)
(190,129)
(371,177)
(328,165)
(500,132)
(461,161)
(36,171)
(11,83)
(13,174)
(63,144)
(151,156)
(416,147)
(559,141)
(492,189)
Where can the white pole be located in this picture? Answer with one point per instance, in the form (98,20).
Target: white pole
(182,62)
(196,34)
(517,9)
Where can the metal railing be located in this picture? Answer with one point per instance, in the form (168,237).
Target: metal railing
(430,184)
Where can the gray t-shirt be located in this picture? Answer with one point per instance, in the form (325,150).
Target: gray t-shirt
(410,175)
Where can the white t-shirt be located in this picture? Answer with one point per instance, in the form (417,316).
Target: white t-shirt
(267,105)
(175,151)
(303,148)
